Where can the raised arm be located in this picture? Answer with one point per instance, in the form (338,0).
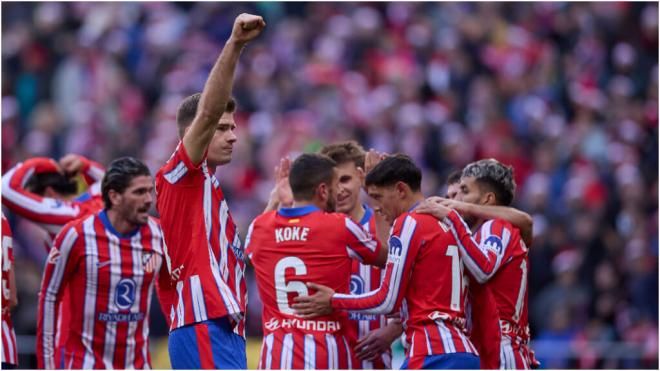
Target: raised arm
(50,213)
(518,218)
(73,164)
(217,89)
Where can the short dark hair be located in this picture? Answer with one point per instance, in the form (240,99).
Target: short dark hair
(307,172)
(188,109)
(119,175)
(60,183)
(454,177)
(342,152)
(393,169)
(495,177)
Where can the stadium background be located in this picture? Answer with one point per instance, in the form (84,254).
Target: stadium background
(567,93)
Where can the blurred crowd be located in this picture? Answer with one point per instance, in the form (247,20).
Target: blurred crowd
(567,93)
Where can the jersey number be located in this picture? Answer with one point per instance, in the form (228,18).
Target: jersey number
(456,278)
(282,288)
(521,293)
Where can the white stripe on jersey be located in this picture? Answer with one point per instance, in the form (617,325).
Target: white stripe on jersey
(91,251)
(138,276)
(269,352)
(180,307)
(445,335)
(197,295)
(333,356)
(348,353)
(412,345)
(115,276)
(286,357)
(10,338)
(50,297)
(363,325)
(359,233)
(428,342)
(387,305)
(310,352)
(177,173)
(224,243)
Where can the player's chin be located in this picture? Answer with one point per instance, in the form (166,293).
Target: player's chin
(141,217)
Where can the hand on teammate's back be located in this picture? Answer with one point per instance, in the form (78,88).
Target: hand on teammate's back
(247,27)
(318,304)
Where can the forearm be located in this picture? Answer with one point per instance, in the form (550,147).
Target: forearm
(380,301)
(518,218)
(92,171)
(213,102)
(478,262)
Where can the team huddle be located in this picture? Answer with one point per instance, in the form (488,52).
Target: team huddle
(340,280)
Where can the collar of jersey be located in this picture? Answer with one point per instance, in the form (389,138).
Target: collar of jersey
(413,207)
(367,214)
(297,211)
(106,222)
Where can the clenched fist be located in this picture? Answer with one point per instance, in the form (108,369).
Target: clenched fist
(247,27)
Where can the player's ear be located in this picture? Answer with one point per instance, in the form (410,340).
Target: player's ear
(322,193)
(361,174)
(115,197)
(401,189)
(489,198)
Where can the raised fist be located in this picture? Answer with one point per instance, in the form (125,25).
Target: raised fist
(247,27)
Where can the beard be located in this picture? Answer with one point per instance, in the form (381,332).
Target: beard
(331,205)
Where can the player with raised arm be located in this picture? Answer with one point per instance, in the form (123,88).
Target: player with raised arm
(110,261)
(423,277)
(374,333)
(494,252)
(307,242)
(44,192)
(207,320)
(9,299)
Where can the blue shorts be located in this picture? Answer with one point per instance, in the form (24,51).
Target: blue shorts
(463,361)
(207,345)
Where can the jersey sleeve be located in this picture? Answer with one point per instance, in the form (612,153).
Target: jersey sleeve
(249,250)
(92,171)
(403,249)
(60,265)
(482,259)
(52,214)
(179,169)
(361,245)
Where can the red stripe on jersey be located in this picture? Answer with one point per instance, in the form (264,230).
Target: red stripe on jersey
(204,347)
(286,350)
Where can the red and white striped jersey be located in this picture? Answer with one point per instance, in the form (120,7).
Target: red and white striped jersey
(111,277)
(289,248)
(365,278)
(9,352)
(203,245)
(424,279)
(497,255)
(50,213)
